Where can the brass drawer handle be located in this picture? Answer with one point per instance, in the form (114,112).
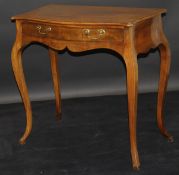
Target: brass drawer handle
(100,34)
(43,30)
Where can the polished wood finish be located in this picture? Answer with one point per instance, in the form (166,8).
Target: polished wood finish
(76,14)
(127,31)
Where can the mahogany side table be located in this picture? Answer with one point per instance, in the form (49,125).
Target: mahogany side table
(127,31)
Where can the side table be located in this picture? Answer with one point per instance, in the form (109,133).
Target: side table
(127,31)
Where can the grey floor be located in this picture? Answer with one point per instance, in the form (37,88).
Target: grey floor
(92,138)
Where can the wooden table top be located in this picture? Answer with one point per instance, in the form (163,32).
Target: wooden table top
(78,14)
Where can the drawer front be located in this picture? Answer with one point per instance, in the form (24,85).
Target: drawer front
(56,32)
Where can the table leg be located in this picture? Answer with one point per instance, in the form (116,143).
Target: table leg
(164,72)
(130,58)
(132,88)
(55,76)
(19,75)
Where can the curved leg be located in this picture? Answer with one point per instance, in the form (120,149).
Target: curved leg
(130,58)
(55,76)
(164,72)
(132,87)
(19,75)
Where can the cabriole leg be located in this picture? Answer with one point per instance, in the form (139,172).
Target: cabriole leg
(19,76)
(165,60)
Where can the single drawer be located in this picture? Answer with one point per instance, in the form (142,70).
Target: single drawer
(68,33)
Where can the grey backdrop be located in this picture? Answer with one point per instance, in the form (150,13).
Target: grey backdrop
(88,75)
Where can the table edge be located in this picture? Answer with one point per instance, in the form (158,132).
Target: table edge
(127,24)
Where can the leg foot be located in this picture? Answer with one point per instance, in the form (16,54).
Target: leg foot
(171,139)
(22,141)
(136,168)
(59,117)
